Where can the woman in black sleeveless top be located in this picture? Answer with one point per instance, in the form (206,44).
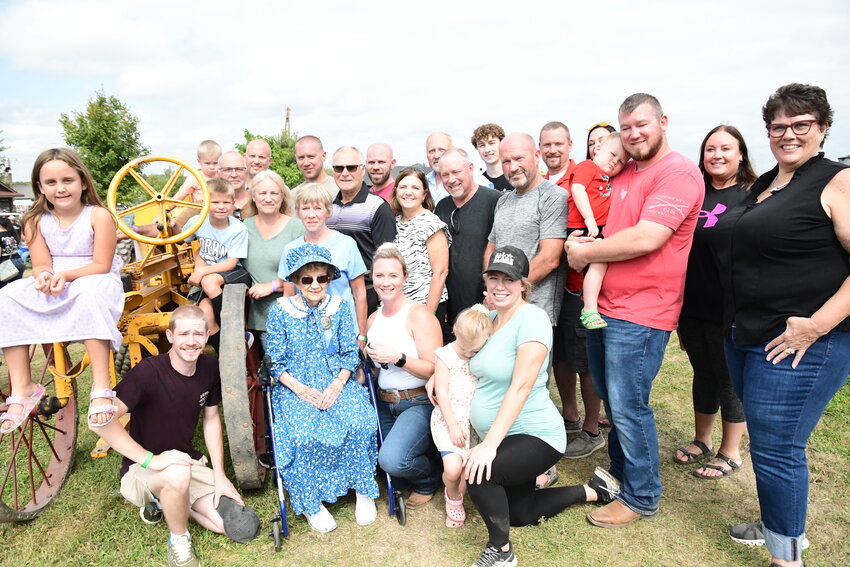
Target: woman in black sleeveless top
(787,282)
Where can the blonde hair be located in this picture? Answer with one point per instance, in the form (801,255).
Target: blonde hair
(474,325)
(186,312)
(389,251)
(269,175)
(221,187)
(209,148)
(611,138)
(310,193)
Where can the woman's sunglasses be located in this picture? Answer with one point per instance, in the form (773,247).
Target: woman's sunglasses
(308,280)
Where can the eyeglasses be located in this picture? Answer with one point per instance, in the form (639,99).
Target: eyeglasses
(229,170)
(308,280)
(600,125)
(348,168)
(799,128)
(453,225)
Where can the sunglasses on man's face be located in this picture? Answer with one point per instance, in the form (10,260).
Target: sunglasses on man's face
(308,280)
(349,168)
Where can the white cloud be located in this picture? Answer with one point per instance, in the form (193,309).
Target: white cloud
(354,73)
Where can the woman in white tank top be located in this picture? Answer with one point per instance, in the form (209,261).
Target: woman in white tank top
(402,336)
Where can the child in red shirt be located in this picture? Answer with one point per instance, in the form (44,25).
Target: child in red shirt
(588,211)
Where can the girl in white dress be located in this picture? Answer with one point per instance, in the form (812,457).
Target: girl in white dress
(75,293)
(454,386)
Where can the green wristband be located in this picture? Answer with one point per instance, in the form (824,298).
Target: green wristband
(147,460)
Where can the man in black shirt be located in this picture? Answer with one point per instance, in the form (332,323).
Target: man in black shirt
(166,395)
(468,212)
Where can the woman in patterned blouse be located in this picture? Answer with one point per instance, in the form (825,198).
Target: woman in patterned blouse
(423,240)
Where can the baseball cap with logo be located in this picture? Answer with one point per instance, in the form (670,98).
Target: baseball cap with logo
(510,261)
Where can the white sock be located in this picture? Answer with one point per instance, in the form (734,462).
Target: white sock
(174,536)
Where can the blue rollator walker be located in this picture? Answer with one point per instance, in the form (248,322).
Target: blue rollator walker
(278,522)
(394,498)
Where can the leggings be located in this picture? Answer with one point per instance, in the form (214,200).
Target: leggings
(509,497)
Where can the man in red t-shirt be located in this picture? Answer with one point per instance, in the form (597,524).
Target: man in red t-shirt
(166,395)
(655,202)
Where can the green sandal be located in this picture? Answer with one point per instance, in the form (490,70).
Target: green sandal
(591,319)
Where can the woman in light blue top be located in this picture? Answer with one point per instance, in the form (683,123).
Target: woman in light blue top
(521,430)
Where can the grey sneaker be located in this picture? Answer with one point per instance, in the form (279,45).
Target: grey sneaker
(753,535)
(572,426)
(583,445)
(151,513)
(495,557)
(181,552)
(605,485)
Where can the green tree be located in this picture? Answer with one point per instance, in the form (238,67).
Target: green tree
(4,175)
(283,155)
(106,136)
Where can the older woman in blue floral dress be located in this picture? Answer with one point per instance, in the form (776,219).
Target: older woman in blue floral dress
(325,427)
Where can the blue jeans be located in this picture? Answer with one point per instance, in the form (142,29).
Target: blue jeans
(783,405)
(624,359)
(408,453)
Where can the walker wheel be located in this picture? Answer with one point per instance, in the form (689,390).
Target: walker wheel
(400,508)
(276,533)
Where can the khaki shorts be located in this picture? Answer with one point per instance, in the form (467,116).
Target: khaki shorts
(134,483)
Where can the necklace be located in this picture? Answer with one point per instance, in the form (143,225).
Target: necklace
(776,188)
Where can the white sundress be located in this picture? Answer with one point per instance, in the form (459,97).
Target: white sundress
(88,308)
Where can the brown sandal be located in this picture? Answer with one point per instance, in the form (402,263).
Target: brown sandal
(733,468)
(691,458)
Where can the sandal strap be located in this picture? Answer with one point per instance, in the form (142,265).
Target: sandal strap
(28,400)
(706,452)
(732,464)
(105,408)
(107,393)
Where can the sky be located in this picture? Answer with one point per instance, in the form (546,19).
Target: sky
(361,72)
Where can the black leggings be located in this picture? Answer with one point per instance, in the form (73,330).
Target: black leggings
(509,497)
(712,387)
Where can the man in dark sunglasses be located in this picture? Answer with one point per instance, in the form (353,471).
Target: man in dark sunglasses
(360,214)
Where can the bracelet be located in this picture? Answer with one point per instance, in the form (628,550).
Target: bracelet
(48,271)
(147,460)
(274,286)
(135,228)
(362,338)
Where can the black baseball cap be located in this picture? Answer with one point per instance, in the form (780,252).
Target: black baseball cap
(509,260)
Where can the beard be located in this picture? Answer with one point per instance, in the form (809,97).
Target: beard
(520,180)
(647,150)
(378,181)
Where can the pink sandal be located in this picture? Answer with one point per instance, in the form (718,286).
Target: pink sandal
(455,514)
(27,405)
(105,408)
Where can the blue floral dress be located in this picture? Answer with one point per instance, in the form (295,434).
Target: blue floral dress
(321,455)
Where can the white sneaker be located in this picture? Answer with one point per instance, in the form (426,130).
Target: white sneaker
(365,511)
(322,521)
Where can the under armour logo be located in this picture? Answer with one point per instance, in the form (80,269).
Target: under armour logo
(713,215)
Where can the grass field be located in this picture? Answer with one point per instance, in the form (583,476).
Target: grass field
(90,524)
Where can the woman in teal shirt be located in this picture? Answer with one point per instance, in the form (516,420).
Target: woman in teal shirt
(521,430)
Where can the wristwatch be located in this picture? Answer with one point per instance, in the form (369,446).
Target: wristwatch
(401,361)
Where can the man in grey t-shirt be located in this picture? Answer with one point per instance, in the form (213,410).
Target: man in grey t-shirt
(534,219)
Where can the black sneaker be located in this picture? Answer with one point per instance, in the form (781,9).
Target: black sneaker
(605,485)
(151,513)
(494,557)
(753,535)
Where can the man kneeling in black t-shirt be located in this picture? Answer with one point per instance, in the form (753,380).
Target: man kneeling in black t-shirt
(165,395)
